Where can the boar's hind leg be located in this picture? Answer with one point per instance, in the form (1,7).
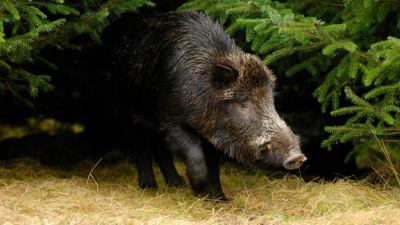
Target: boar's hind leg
(145,170)
(165,161)
(136,139)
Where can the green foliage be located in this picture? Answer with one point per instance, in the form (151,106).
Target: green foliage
(26,27)
(352,49)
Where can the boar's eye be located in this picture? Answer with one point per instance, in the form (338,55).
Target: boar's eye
(224,75)
(242,110)
(244,104)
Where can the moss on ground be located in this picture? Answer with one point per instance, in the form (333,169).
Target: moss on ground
(33,194)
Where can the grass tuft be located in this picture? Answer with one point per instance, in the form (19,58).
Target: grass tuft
(33,194)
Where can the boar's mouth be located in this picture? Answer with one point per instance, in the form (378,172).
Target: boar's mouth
(293,160)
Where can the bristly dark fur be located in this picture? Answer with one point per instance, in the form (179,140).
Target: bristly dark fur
(184,73)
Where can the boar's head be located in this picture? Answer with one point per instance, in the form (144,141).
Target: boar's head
(240,118)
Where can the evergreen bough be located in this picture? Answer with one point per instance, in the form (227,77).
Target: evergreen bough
(352,47)
(26,27)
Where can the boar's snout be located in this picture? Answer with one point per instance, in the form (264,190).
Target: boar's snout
(282,150)
(294,161)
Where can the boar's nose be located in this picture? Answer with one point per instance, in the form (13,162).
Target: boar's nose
(294,161)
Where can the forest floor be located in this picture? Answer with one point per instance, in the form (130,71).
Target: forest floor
(34,194)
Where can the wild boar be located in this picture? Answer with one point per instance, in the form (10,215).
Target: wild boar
(205,95)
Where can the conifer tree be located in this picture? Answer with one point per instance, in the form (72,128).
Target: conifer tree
(352,47)
(26,27)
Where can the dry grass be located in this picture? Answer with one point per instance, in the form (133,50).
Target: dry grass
(32,194)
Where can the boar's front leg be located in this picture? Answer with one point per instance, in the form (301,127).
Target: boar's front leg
(165,161)
(201,167)
(212,157)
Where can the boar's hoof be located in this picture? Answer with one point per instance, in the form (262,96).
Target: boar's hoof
(147,183)
(222,198)
(175,181)
(213,197)
(294,161)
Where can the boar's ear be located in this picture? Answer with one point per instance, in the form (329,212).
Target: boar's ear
(224,75)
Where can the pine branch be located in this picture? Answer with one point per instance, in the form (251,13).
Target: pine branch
(26,28)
